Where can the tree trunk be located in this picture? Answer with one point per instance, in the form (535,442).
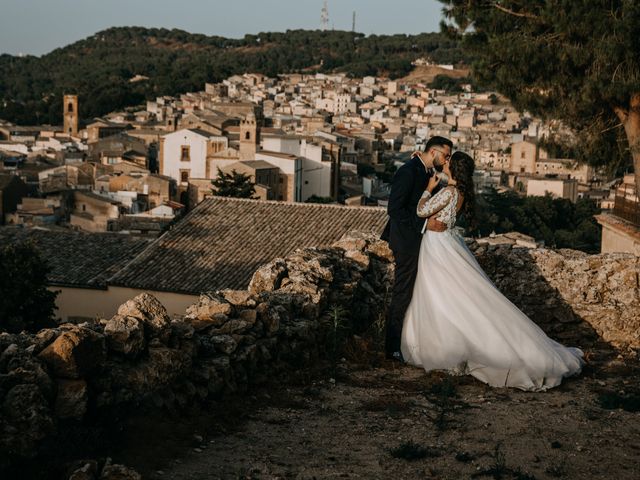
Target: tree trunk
(631,121)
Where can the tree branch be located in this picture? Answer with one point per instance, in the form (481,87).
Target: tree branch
(515,14)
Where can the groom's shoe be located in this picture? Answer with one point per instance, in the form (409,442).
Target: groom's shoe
(397,356)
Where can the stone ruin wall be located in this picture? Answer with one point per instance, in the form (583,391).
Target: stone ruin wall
(231,339)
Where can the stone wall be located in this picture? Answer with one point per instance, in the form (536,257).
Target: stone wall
(282,322)
(224,343)
(571,294)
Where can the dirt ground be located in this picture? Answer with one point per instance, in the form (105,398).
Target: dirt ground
(391,421)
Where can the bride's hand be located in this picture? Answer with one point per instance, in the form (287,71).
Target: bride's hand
(436,225)
(433,182)
(446,168)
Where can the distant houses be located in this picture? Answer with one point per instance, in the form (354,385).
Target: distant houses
(218,245)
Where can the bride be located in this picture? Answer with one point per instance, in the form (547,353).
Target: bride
(458,320)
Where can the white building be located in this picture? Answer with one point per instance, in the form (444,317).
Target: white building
(291,167)
(184,155)
(315,174)
(557,187)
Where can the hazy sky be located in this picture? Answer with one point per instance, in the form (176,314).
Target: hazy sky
(38,26)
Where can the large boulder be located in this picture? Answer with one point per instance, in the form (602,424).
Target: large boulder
(75,353)
(210,304)
(26,419)
(270,317)
(151,312)
(268,277)
(18,366)
(125,335)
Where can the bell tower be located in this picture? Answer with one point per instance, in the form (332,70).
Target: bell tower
(248,137)
(70,105)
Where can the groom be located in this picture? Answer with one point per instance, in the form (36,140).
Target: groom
(403,231)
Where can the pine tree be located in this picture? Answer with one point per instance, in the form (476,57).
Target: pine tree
(574,60)
(233,184)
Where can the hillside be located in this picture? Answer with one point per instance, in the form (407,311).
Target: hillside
(99,68)
(427,74)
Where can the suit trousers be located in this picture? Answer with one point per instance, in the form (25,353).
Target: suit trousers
(406,270)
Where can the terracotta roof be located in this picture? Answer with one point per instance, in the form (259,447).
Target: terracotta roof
(224,240)
(269,153)
(84,260)
(256,164)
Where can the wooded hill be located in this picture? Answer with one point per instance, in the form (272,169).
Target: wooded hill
(100,68)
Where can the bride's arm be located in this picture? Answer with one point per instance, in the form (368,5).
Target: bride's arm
(430,205)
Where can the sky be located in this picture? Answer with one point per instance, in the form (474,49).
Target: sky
(36,27)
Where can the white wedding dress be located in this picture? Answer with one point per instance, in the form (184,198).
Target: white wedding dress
(458,320)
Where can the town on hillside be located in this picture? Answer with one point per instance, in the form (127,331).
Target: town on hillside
(296,138)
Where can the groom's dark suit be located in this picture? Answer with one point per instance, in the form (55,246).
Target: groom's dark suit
(403,232)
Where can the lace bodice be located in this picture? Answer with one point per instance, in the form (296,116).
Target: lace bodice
(442,204)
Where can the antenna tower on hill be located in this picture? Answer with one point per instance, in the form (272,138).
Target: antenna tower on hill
(324,16)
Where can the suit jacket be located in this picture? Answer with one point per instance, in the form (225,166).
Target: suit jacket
(404,226)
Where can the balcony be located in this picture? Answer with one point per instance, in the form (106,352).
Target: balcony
(626,204)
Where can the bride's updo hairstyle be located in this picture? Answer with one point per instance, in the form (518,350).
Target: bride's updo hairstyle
(462,166)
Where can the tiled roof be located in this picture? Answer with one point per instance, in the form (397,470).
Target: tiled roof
(78,259)
(257,164)
(224,240)
(269,153)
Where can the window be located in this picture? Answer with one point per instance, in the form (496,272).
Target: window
(70,108)
(247,136)
(522,154)
(184,176)
(184,153)
(217,147)
(521,169)
(84,207)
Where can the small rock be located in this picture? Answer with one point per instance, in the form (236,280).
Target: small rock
(119,472)
(238,298)
(224,343)
(71,399)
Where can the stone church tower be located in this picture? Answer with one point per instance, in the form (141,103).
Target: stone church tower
(248,138)
(70,105)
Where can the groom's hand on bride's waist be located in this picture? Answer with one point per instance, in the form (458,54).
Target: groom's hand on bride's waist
(436,225)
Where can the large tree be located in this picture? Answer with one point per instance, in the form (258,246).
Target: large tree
(25,301)
(574,60)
